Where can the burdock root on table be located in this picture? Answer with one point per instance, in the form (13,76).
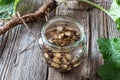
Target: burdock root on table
(31,17)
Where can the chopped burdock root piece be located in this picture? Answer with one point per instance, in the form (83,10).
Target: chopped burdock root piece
(55,65)
(77,64)
(50,40)
(64,60)
(74,60)
(68,56)
(69,68)
(57,60)
(58,55)
(77,33)
(61,35)
(46,55)
(64,66)
(68,33)
(59,28)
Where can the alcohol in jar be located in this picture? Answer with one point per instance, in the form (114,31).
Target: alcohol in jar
(63,43)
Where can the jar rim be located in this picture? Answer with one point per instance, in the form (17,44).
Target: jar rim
(72,20)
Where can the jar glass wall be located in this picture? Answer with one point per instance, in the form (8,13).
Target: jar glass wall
(63,43)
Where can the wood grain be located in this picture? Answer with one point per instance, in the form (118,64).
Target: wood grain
(30,66)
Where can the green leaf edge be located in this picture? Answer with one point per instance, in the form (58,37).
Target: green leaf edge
(15,4)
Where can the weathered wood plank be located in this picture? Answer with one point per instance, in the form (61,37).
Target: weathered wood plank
(99,29)
(26,66)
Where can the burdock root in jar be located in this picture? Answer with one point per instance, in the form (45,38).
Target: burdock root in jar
(62,58)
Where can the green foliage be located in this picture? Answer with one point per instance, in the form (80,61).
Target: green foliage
(7,8)
(110,50)
(4,2)
(6,11)
(118,1)
(114,12)
(15,4)
(109,72)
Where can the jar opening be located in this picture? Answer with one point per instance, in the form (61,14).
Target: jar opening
(63,22)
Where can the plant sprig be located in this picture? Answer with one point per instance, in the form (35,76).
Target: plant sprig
(110,50)
(113,12)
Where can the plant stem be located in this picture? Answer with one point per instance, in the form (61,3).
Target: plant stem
(94,4)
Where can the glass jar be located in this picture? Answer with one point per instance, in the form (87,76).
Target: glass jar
(63,43)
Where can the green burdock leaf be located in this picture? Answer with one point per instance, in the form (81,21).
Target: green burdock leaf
(110,50)
(7,8)
(118,1)
(109,72)
(4,2)
(114,12)
(6,11)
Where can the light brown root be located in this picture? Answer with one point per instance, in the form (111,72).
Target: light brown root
(27,27)
(31,17)
(26,48)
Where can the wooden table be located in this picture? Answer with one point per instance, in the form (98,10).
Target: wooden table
(30,66)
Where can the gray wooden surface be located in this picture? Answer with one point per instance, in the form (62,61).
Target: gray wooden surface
(30,66)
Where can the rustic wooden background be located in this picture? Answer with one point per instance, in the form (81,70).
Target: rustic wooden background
(30,66)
